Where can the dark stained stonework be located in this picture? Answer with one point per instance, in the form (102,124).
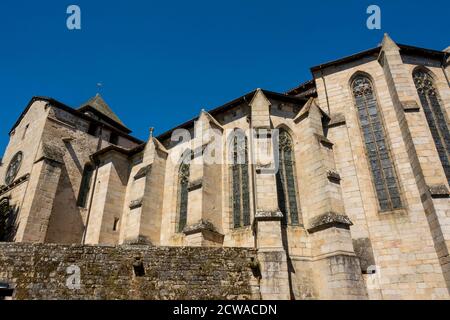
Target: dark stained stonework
(4,189)
(364,251)
(410,106)
(333,176)
(143,172)
(337,120)
(136,204)
(329,220)
(128,272)
(439,191)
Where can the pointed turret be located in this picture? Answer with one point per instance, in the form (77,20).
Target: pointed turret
(98,104)
(388,44)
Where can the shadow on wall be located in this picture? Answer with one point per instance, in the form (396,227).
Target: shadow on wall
(8,221)
(66,220)
(291,269)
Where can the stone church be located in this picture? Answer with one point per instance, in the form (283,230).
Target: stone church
(351,200)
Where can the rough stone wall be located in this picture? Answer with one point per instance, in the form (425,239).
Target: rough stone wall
(40,272)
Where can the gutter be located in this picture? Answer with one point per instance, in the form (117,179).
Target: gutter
(253,173)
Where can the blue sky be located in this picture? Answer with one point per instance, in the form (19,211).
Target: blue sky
(161,62)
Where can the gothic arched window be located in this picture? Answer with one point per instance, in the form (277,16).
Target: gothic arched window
(240,195)
(434,114)
(377,150)
(286,180)
(183,194)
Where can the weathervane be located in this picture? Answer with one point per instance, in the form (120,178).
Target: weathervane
(99,87)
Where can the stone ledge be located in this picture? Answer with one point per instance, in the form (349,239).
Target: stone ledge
(268,216)
(324,141)
(136,204)
(202,225)
(207,229)
(439,191)
(410,106)
(143,172)
(194,185)
(264,169)
(329,220)
(4,189)
(337,120)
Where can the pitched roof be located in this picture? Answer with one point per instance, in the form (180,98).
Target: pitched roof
(304,90)
(97,103)
(243,99)
(376,51)
(55,103)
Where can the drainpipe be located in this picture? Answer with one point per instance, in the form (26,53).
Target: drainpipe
(91,200)
(326,91)
(253,172)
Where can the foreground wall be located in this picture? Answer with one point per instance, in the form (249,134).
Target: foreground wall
(128,272)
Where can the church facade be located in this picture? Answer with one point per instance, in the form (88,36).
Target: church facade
(341,184)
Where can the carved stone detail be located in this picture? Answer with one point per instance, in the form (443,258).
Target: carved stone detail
(136,204)
(329,220)
(143,172)
(439,191)
(410,106)
(337,120)
(194,185)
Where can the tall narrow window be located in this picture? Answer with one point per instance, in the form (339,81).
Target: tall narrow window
(116,224)
(183,193)
(286,181)
(25,131)
(85,185)
(383,172)
(434,114)
(240,196)
(114,138)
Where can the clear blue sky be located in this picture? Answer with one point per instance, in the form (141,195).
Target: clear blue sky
(162,61)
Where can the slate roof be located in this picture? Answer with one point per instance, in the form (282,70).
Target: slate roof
(98,103)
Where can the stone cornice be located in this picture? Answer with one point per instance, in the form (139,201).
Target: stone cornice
(17,182)
(329,220)
(439,191)
(143,172)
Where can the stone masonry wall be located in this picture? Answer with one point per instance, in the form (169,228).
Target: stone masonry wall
(38,271)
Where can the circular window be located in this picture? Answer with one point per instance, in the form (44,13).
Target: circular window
(13,168)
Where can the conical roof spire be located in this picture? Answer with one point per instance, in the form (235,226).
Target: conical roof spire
(388,43)
(99,104)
